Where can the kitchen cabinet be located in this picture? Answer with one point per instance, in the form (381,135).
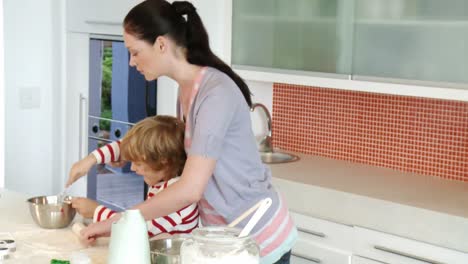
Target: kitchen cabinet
(427,26)
(361,260)
(285,33)
(356,38)
(98,17)
(321,241)
(307,252)
(398,250)
(327,233)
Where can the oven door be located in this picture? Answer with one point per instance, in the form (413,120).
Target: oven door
(119,97)
(114,187)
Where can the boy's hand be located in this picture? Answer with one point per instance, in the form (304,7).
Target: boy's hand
(80,168)
(90,233)
(118,164)
(84,206)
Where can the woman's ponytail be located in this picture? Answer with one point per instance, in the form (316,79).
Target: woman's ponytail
(180,20)
(198,46)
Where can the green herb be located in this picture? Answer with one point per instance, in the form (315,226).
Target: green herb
(58,261)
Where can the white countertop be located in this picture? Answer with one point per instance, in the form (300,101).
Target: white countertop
(37,245)
(423,208)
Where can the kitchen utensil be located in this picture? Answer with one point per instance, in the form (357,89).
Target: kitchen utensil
(265,204)
(245,214)
(129,240)
(4,253)
(48,212)
(8,243)
(166,251)
(61,196)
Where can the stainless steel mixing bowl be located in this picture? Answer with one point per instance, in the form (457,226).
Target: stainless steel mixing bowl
(49,212)
(166,251)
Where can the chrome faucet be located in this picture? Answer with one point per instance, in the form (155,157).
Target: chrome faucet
(266,144)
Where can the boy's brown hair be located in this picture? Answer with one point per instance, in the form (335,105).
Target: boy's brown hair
(157,141)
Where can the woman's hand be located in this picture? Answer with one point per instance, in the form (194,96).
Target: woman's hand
(84,206)
(90,233)
(80,168)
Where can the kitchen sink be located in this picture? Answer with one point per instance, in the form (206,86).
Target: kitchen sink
(277,157)
(268,154)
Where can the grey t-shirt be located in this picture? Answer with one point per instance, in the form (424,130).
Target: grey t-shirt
(221,129)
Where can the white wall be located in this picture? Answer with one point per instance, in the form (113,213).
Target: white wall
(32,93)
(213,14)
(2,109)
(262,92)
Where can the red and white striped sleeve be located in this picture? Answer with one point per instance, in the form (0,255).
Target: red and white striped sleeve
(181,221)
(108,153)
(102,213)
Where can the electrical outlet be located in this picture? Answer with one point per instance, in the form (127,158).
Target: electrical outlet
(30,97)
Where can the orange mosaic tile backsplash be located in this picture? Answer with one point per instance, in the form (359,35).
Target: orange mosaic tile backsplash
(410,134)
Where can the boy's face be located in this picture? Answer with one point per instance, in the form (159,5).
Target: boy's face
(150,176)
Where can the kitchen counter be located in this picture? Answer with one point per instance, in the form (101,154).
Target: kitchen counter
(37,245)
(422,208)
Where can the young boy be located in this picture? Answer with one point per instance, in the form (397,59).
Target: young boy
(155,146)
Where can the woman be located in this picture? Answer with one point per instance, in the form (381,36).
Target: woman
(223,172)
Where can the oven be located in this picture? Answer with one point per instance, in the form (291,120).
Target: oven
(119,96)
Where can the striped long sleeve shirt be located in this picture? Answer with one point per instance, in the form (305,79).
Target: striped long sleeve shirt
(182,221)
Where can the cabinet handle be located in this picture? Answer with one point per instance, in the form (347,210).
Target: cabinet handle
(82,107)
(100,139)
(315,260)
(111,120)
(407,255)
(310,232)
(103,22)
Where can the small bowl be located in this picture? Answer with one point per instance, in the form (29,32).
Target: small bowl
(48,212)
(166,251)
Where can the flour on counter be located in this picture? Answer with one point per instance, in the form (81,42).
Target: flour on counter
(191,255)
(36,245)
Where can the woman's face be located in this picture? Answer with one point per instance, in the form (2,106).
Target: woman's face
(150,176)
(144,56)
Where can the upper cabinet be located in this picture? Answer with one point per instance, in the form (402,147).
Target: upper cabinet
(98,17)
(294,35)
(411,39)
(400,40)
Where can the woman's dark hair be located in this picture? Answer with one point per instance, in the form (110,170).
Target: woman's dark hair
(153,18)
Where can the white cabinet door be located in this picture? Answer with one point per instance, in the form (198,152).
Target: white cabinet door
(397,250)
(306,251)
(361,260)
(302,260)
(327,233)
(99,17)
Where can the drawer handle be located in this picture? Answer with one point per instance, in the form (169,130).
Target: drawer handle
(102,22)
(315,260)
(407,255)
(310,232)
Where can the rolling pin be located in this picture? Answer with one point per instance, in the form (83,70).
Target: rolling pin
(76,228)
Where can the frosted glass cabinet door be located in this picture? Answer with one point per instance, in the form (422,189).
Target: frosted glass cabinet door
(418,39)
(294,34)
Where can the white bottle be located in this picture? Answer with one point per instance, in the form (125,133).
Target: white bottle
(129,240)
